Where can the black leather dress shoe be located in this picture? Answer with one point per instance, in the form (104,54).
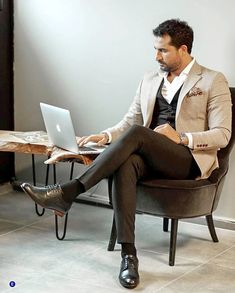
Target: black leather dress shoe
(129,276)
(49,197)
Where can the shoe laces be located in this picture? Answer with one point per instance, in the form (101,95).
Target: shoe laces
(55,188)
(129,262)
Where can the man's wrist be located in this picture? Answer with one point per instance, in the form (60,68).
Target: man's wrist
(184,139)
(106,136)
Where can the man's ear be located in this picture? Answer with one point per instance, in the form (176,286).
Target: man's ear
(184,49)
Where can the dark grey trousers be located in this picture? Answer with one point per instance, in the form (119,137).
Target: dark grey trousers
(138,153)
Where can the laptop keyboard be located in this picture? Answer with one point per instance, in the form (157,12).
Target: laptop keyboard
(86,149)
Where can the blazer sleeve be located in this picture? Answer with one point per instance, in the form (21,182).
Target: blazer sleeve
(219,117)
(133,116)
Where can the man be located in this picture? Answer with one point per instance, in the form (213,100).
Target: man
(179,119)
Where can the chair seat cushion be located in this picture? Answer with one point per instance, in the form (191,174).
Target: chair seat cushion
(192,198)
(172,184)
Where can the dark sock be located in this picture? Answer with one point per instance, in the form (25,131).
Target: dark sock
(128,248)
(72,189)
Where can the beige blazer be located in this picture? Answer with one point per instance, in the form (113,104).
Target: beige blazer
(203,109)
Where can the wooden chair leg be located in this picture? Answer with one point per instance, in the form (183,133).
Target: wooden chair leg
(113,236)
(173,239)
(165,224)
(211,227)
(110,186)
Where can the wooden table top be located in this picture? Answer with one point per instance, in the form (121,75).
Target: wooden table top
(36,142)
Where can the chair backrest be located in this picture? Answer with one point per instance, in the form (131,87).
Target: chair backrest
(227,150)
(218,175)
(223,154)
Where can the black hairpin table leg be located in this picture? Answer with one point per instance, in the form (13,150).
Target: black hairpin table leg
(34,183)
(56,217)
(57,228)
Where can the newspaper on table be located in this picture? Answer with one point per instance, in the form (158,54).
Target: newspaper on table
(32,137)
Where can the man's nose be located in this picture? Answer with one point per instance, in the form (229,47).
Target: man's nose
(158,55)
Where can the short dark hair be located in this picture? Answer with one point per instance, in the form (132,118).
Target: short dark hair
(179,31)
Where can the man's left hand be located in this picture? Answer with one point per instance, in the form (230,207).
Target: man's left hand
(169,132)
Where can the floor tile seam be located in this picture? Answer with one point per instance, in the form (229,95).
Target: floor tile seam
(44,217)
(192,259)
(225,267)
(205,226)
(45,273)
(51,271)
(9,221)
(42,229)
(219,254)
(181,257)
(33,279)
(85,254)
(19,223)
(20,228)
(179,277)
(86,282)
(154,252)
(193,269)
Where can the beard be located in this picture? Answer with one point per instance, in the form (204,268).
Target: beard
(164,67)
(170,67)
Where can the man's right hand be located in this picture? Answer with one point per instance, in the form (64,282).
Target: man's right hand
(100,139)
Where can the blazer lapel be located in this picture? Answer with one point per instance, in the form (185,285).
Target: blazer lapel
(156,82)
(192,79)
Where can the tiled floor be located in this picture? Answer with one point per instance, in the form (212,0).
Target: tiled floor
(32,257)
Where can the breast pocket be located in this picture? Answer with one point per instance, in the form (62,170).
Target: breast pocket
(195,107)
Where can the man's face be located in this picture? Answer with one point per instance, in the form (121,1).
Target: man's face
(168,56)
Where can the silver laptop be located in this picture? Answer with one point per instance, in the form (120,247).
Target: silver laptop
(61,133)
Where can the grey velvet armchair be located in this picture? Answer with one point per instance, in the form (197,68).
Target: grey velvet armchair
(180,199)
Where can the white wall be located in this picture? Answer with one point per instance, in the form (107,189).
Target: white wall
(89,57)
